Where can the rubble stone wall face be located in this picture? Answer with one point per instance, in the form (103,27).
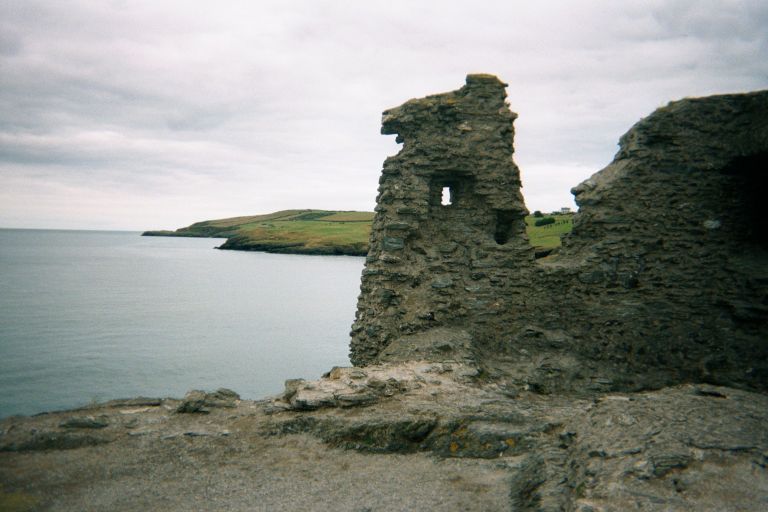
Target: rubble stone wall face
(430,264)
(664,278)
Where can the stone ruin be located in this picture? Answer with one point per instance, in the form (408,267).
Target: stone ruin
(663,280)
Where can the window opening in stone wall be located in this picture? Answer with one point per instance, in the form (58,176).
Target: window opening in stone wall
(446,198)
(449,192)
(504,225)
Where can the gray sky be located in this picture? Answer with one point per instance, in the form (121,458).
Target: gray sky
(156,114)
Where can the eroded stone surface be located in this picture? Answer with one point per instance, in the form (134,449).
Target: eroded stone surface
(456,444)
(663,280)
(347,387)
(432,264)
(198,401)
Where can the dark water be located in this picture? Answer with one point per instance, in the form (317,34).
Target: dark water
(87,315)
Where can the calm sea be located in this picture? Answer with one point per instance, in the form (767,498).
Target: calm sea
(92,315)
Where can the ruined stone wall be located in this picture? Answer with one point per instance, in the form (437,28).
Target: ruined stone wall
(432,265)
(665,275)
(663,280)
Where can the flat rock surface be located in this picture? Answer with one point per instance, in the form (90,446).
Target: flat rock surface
(427,437)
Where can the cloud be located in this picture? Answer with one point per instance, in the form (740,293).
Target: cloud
(158,114)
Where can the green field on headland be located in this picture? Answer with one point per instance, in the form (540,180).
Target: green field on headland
(288,231)
(548,237)
(323,232)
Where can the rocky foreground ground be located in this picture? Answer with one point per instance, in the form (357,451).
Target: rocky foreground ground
(407,436)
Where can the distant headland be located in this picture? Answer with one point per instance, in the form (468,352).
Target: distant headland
(330,232)
(287,232)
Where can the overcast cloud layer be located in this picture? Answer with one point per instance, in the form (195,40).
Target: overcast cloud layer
(156,114)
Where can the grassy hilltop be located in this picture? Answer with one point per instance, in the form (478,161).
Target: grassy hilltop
(548,237)
(322,232)
(288,231)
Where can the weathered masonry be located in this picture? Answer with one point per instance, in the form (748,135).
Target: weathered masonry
(663,280)
(448,239)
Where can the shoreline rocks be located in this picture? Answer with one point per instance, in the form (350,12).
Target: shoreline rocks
(687,447)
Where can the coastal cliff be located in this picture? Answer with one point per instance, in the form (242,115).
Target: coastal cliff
(626,371)
(320,232)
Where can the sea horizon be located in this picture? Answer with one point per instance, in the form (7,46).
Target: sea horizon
(94,315)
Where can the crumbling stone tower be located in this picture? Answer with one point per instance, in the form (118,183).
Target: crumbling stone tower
(663,280)
(448,237)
